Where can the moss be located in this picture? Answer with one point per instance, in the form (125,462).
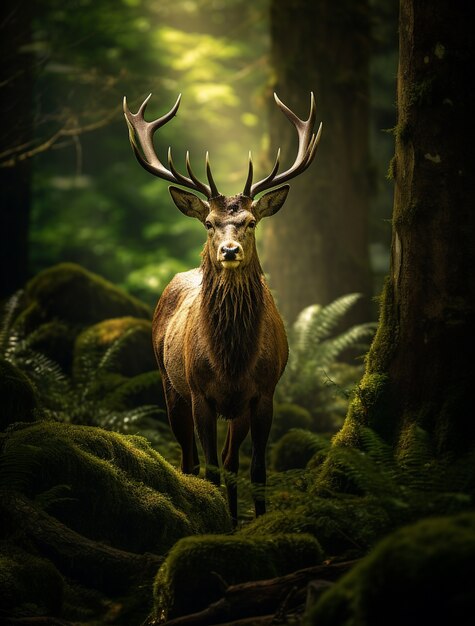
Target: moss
(421,574)
(279,522)
(392,169)
(196,568)
(76,296)
(371,404)
(18,397)
(384,344)
(28,584)
(295,449)
(122,345)
(121,490)
(287,416)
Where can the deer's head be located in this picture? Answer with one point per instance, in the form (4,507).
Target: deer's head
(229,220)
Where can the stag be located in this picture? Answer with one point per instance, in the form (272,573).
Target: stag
(219,340)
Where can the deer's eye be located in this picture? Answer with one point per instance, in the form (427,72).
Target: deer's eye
(208,225)
(252,224)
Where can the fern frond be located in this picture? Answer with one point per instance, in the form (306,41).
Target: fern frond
(10,309)
(316,323)
(110,356)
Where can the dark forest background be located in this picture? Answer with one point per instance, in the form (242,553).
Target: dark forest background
(371,454)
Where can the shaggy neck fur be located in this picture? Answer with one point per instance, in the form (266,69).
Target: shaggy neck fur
(231,306)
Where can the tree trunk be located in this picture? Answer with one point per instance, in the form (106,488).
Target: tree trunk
(16,104)
(420,368)
(316,249)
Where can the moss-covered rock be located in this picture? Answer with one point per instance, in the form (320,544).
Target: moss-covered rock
(288,416)
(295,449)
(120,490)
(17,396)
(420,574)
(69,293)
(192,575)
(122,345)
(282,522)
(28,584)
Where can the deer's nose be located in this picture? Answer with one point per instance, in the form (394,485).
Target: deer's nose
(229,252)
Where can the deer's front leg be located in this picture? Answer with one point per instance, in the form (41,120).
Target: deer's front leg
(237,431)
(205,418)
(261,420)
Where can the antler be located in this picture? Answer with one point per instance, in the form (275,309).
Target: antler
(308,143)
(139,127)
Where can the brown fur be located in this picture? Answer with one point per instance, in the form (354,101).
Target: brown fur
(221,348)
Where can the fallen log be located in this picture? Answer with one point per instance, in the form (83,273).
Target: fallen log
(95,564)
(260,600)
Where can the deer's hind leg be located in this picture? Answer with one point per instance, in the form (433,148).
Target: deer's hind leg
(180,418)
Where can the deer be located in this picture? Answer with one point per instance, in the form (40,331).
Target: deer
(219,340)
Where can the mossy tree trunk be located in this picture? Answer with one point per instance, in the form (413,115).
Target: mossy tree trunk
(316,249)
(420,369)
(17,130)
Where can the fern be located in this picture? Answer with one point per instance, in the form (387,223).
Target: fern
(314,350)
(46,377)
(10,310)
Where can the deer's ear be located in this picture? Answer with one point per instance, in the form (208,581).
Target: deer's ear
(189,204)
(270,202)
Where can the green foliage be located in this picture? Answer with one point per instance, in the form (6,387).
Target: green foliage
(197,569)
(122,345)
(120,488)
(314,350)
(356,495)
(108,374)
(421,574)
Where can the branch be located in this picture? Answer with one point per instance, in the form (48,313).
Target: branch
(257,602)
(66,131)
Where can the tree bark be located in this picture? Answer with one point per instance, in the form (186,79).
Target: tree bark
(316,248)
(16,106)
(420,368)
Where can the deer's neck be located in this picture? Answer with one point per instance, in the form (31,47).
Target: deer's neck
(232,305)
